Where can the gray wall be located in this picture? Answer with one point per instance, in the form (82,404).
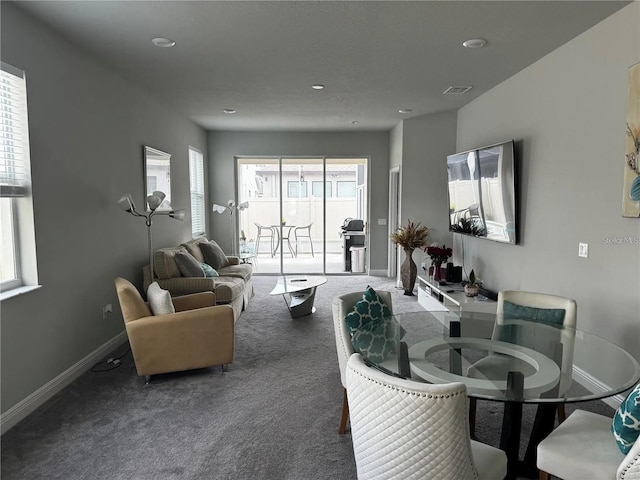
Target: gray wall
(87,128)
(224,146)
(427,140)
(395,157)
(567,113)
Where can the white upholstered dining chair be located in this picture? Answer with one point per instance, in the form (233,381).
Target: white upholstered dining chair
(493,366)
(342,305)
(583,447)
(402,429)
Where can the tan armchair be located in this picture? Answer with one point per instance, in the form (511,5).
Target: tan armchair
(198,335)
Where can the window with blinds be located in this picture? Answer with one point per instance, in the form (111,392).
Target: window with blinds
(14,178)
(13,132)
(196,182)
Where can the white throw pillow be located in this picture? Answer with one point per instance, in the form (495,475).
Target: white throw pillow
(159,300)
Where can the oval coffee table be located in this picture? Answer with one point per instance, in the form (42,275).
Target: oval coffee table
(299,292)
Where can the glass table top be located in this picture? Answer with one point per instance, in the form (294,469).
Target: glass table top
(506,359)
(296,283)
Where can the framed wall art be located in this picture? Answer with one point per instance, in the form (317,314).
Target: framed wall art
(631,182)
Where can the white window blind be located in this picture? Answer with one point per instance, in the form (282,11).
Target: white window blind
(14,176)
(196,181)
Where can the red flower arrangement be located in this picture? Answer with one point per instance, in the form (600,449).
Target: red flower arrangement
(438,254)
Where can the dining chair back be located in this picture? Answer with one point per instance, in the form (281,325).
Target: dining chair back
(265,232)
(539,300)
(566,331)
(301,233)
(584,447)
(342,305)
(492,367)
(411,430)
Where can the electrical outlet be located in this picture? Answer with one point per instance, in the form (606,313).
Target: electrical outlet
(583,250)
(106,310)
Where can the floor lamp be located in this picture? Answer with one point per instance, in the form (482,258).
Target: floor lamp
(153,201)
(230,207)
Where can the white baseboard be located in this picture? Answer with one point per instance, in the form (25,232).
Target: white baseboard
(23,408)
(378,273)
(593,384)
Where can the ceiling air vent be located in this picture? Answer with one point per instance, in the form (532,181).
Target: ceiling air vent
(457,90)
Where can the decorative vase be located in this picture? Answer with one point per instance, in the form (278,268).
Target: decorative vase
(471,290)
(437,271)
(408,272)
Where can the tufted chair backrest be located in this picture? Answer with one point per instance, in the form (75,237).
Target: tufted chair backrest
(406,429)
(341,306)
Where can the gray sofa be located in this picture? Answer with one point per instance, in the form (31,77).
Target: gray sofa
(234,286)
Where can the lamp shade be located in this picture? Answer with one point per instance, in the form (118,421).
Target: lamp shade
(177,214)
(155,200)
(219,208)
(126,203)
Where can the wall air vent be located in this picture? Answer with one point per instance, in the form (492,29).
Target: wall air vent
(457,90)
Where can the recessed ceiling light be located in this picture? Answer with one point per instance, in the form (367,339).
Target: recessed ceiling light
(474,43)
(405,110)
(163,42)
(317,86)
(229,110)
(354,122)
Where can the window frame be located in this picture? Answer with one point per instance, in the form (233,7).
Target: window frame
(15,182)
(197,197)
(16,281)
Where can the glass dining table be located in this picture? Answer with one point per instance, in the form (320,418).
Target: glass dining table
(510,360)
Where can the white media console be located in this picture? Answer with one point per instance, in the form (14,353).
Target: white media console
(450,298)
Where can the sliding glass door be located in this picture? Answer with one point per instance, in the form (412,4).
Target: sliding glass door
(297,207)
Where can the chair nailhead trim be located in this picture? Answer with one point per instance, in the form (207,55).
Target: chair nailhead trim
(428,395)
(629,465)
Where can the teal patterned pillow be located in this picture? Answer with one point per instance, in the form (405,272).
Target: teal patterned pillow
(378,339)
(374,331)
(626,421)
(208,270)
(370,308)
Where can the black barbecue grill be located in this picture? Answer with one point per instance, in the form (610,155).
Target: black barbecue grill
(352,233)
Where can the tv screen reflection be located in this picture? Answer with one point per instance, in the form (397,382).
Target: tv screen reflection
(481,187)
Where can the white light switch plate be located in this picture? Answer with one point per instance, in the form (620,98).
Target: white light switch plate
(583,250)
(382,221)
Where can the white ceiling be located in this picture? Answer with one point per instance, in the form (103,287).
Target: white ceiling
(261,57)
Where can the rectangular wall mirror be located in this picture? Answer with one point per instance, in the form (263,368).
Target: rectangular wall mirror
(157,174)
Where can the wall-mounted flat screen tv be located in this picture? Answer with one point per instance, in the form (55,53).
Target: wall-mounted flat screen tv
(482,192)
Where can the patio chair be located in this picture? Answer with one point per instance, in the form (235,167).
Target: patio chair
(303,232)
(268,233)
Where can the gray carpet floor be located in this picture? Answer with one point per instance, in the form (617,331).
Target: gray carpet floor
(273,416)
